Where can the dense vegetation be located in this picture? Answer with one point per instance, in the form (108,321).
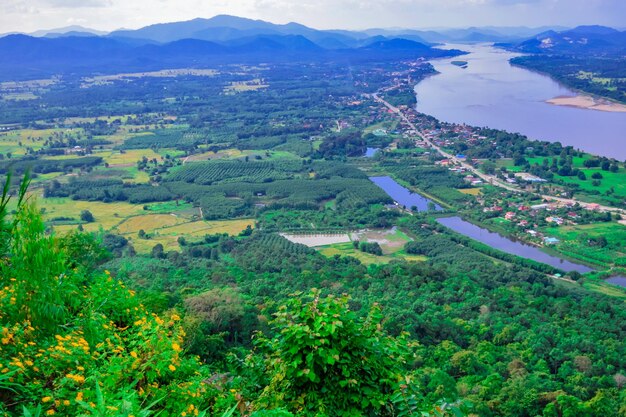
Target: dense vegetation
(601,76)
(76,341)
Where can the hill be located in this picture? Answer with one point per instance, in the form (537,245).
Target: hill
(582,40)
(26,57)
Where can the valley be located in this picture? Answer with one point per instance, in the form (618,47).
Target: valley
(269,220)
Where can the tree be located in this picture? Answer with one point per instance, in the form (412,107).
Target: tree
(324,357)
(157,251)
(489,167)
(86,216)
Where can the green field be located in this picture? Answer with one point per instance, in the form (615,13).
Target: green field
(575,242)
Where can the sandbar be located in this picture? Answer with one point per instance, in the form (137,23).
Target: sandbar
(588,102)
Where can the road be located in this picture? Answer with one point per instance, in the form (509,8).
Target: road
(490,179)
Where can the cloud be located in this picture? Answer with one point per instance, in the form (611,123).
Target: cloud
(30,15)
(76,3)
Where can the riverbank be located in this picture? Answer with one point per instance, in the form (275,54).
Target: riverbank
(588,103)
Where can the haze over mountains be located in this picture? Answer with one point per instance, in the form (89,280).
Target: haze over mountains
(583,40)
(228,39)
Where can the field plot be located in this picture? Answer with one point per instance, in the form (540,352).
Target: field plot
(470,191)
(241,86)
(107,215)
(168,236)
(319,239)
(149,222)
(585,242)
(167,73)
(129,157)
(391,241)
(347,249)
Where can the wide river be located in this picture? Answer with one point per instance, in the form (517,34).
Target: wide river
(491,92)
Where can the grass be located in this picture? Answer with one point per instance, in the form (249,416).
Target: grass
(391,241)
(165,222)
(574,242)
(168,235)
(241,86)
(470,191)
(347,249)
(148,222)
(129,157)
(107,215)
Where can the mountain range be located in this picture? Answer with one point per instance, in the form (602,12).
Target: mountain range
(582,40)
(195,43)
(227,39)
(225,28)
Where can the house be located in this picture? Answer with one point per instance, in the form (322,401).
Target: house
(550,240)
(539,207)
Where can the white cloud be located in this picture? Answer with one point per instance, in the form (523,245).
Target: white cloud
(29,15)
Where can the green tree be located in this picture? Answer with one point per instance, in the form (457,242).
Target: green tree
(87,217)
(326,360)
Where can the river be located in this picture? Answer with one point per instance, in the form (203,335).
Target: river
(507,245)
(409,199)
(491,92)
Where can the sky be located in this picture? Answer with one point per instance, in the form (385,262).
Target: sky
(31,15)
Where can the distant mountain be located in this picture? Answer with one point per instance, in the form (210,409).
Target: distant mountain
(582,40)
(224,28)
(467,35)
(26,57)
(68,30)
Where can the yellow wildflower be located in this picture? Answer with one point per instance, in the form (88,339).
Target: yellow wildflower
(50,412)
(46,399)
(172,368)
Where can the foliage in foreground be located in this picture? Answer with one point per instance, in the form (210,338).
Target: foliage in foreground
(325,360)
(75,342)
(79,343)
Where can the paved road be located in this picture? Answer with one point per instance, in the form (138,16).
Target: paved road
(491,179)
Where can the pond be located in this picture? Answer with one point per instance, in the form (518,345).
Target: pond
(370,152)
(403,196)
(510,246)
(620,281)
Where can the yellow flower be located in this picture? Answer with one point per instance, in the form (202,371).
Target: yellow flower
(50,412)
(133,354)
(66,402)
(176,347)
(46,399)
(79,396)
(172,368)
